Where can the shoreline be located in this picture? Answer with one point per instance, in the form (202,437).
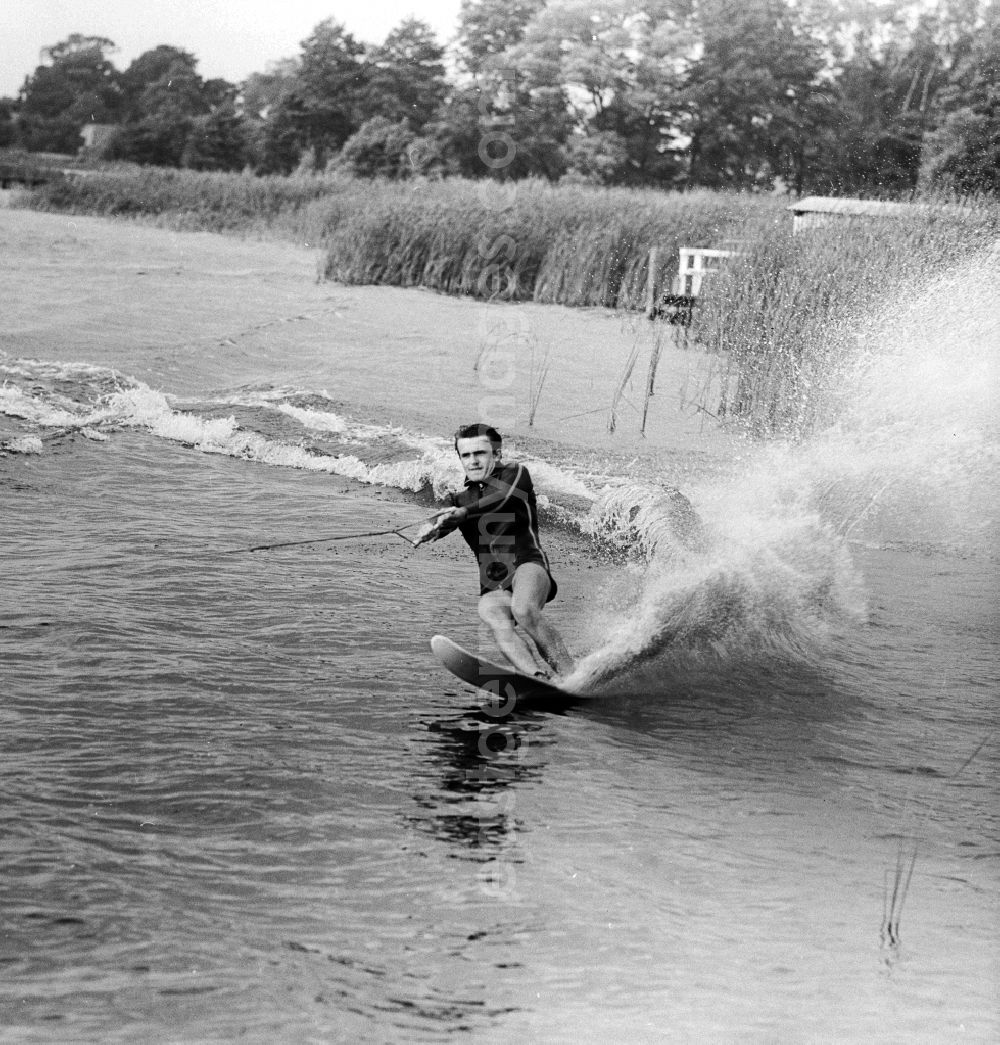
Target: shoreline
(138,298)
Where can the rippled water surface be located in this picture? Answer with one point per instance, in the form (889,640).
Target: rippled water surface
(241,800)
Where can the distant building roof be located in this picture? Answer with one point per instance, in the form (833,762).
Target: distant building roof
(851,207)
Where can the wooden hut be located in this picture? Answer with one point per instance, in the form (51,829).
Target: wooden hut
(813,212)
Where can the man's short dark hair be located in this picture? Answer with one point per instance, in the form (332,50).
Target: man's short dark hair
(476,430)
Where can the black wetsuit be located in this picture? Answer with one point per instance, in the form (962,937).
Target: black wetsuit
(501,526)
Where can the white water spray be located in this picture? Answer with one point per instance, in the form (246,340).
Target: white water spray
(912,462)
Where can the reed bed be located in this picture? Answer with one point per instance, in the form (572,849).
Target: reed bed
(784,317)
(528,241)
(191,200)
(524,241)
(788,316)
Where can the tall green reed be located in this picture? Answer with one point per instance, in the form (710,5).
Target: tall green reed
(526,241)
(786,317)
(191,200)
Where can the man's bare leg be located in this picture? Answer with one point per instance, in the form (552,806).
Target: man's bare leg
(495,610)
(531,589)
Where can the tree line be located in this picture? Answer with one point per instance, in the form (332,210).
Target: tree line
(831,96)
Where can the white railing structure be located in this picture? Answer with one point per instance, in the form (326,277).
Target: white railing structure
(696,264)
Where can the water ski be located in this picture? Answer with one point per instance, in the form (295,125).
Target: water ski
(505,684)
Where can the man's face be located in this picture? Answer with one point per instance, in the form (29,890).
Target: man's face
(478,457)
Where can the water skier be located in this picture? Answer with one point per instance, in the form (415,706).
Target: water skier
(496,515)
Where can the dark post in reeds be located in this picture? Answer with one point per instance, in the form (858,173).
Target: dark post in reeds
(652,265)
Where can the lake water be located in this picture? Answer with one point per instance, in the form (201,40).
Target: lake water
(242,801)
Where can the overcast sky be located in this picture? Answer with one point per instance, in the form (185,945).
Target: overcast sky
(230,38)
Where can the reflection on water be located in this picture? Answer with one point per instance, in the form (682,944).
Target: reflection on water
(479,762)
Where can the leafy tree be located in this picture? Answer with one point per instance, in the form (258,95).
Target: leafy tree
(312,104)
(323,107)
(166,102)
(77,86)
(379,148)
(280,142)
(178,92)
(872,143)
(473,136)
(405,77)
(452,139)
(79,76)
(531,140)
(8,126)
(754,98)
(617,63)
(217,141)
(963,152)
(666,41)
(893,65)
(847,96)
(261,92)
(261,97)
(488,28)
(148,84)
(598,158)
